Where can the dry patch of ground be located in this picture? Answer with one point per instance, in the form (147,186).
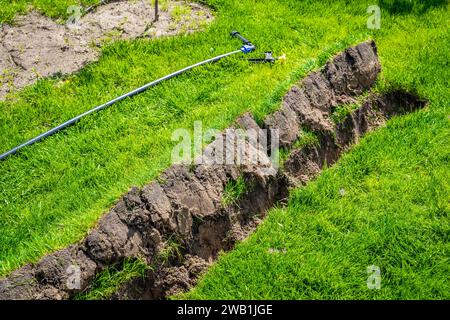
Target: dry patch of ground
(37,46)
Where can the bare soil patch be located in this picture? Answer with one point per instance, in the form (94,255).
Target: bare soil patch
(36,46)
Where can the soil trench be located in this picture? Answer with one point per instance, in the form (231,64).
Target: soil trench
(36,47)
(185,205)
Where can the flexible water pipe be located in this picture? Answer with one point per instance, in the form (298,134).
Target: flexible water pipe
(246,48)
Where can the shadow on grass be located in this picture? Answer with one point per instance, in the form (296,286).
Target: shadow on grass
(401,7)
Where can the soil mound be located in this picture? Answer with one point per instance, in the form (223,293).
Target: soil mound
(185,205)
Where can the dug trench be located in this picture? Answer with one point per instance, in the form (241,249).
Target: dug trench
(185,206)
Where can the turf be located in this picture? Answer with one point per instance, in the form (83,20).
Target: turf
(110,280)
(395,181)
(57,9)
(53,192)
(385,203)
(234,190)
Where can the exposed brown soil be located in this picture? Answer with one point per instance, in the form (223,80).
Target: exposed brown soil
(36,46)
(185,205)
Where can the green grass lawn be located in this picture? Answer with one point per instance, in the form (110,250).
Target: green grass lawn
(52,8)
(394,213)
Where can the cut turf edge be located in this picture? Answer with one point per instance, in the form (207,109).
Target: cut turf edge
(184,208)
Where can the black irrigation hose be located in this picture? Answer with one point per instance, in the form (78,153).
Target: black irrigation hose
(122,97)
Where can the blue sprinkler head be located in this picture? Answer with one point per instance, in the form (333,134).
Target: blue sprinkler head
(247,48)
